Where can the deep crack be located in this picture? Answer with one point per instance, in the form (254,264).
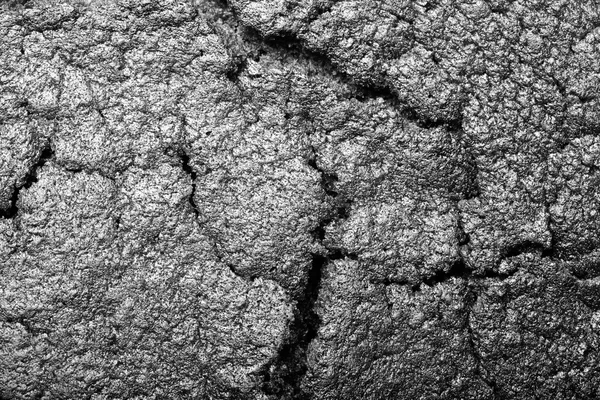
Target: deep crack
(294,47)
(284,376)
(189,170)
(526,246)
(46,154)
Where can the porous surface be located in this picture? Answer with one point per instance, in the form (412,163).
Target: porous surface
(273,199)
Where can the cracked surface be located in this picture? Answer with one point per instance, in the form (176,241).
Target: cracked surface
(299,200)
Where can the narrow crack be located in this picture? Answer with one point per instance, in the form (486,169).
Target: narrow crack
(474,281)
(458,269)
(191,172)
(565,92)
(480,371)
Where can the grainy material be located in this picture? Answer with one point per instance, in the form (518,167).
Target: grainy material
(299,200)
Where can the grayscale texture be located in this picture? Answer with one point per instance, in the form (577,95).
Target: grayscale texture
(281,199)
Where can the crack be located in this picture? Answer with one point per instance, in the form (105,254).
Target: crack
(462,269)
(24,321)
(562,89)
(221,19)
(586,267)
(341,204)
(473,188)
(526,246)
(471,298)
(236,70)
(363,92)
(184,159)
(221,4)
(234,73)
(473,281)
(30,178)
(283,377)
(42,27)
(294,47)
(218,254)
(189,170)
(458,270)
(16,4)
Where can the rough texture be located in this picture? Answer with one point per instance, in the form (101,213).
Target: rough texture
(299,200)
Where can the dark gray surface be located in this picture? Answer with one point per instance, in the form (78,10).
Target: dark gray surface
(299,200)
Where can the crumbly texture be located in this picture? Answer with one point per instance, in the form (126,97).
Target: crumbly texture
(299,200)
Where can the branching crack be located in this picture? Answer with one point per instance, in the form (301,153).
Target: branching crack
(565,92)
(191,172)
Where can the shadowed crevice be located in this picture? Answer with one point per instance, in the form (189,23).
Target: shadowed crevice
(233,74)
(189,170)
(46,154)
(527,246)
(14,5)
(294,48)
(283,378)
(25,322)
